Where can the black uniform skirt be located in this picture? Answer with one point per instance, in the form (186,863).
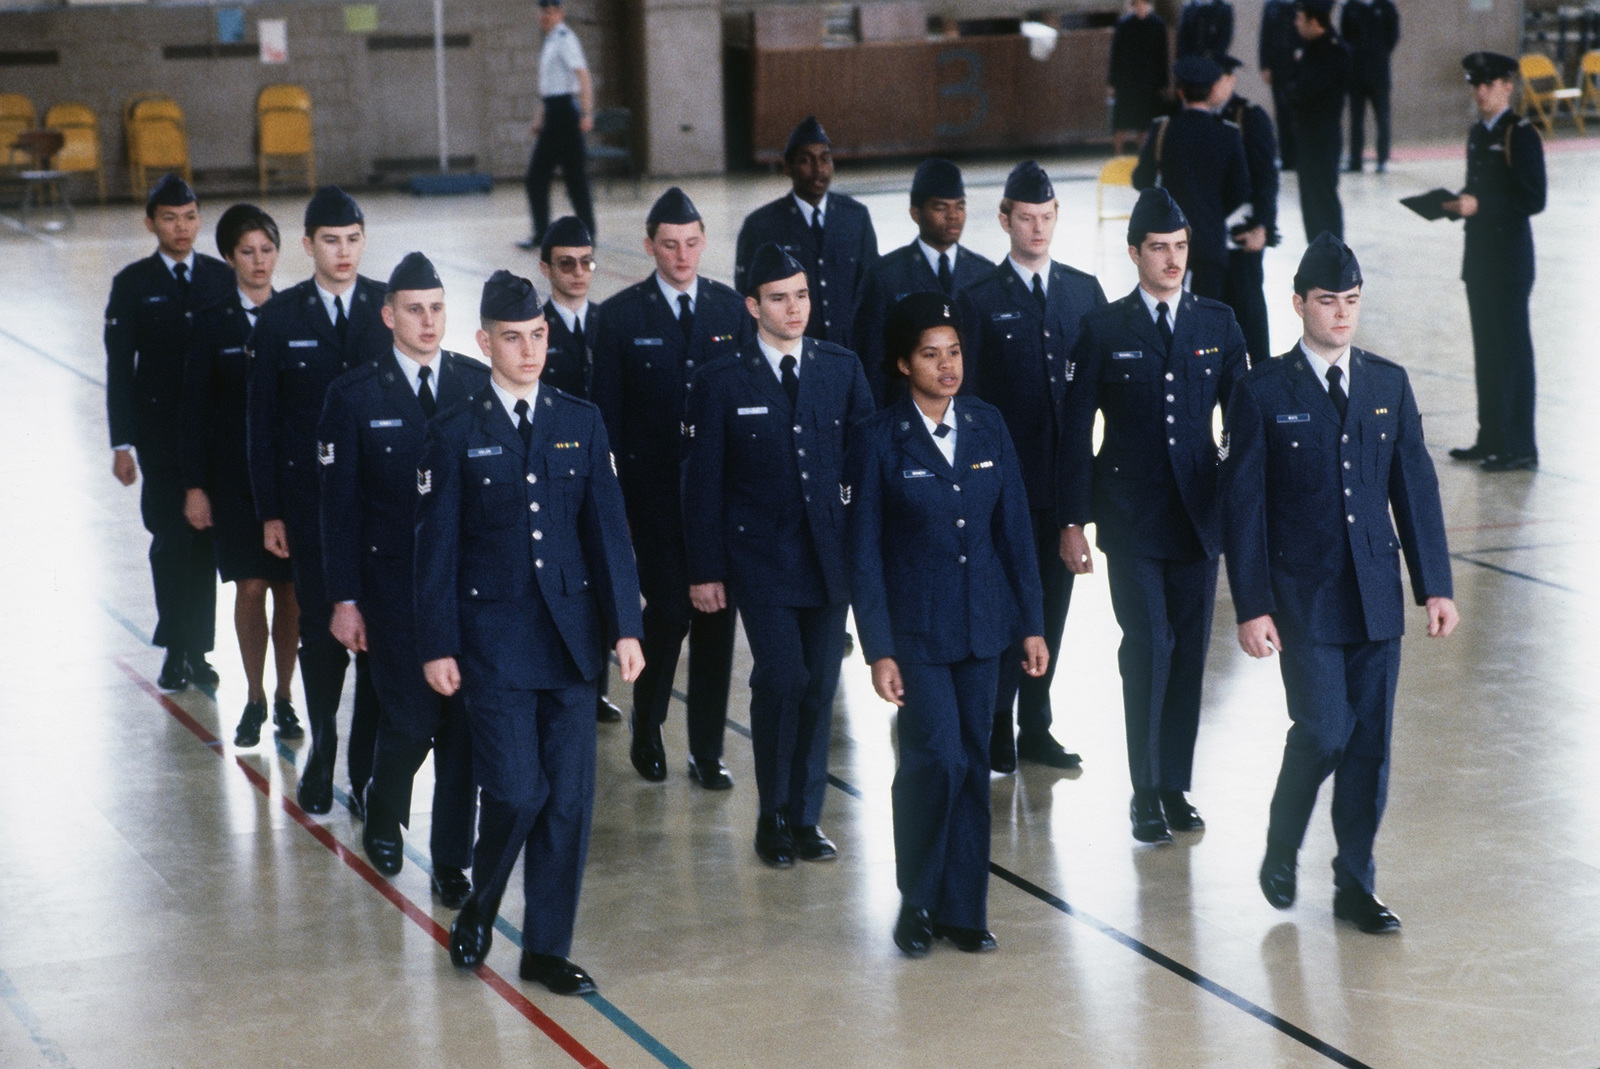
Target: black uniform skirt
(236,536)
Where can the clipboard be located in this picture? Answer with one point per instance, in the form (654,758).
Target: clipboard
(1430,205)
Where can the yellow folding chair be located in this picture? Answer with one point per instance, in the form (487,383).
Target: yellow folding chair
(16,115)
(1118,171)
(1546,93)
(158,140)
(283,130)
(1589,85)
(81,151)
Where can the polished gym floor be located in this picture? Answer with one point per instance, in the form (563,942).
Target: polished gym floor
(163,902)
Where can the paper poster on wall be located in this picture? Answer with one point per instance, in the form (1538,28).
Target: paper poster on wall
(230,25)
(360,18)
(274,40)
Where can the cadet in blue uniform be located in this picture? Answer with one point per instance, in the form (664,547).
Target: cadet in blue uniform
(1505,185)
(1321,444)
(147,336)
(829,233)
(1019,325)
(764,527)
(216,470)
(524,581)
(1243,288)
(1372,30)
(654,336)
(1205,28)
(371,439)
(1155,365)
(566,113)
(1199,158)
(1276,46)
(1138,75)
(944,581)
(1315,90)
(305,337)
(934,262)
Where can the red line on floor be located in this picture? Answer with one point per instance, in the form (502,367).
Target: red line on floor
(424,920)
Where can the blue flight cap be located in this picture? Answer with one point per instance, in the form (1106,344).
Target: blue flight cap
(770,264)
(1228,63)
(674,208)
(509,298)
(414,272)
(1329,264)
(936,178)
(332,206)
(1029,184)
(170,192)
(1196,70)
(568,232)
(1155,213)
(809,132)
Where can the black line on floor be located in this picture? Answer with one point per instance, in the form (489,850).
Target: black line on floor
(57,361)
(1513,573)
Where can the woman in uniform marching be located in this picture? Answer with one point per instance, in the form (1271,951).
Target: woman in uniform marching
(943,580)
(217,476)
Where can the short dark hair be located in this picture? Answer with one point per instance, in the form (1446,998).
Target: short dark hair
(1195,94)
(242,219)
(1325,18)
(1302,288)
(311,231)
(650,228)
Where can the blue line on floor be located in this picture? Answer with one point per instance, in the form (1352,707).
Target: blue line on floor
(57,361)
(24,1014)
(1513,573)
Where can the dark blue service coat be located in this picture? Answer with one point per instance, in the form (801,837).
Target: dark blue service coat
(897,274)
(569,366)
(835,272)
(1205,28)
(1199,157)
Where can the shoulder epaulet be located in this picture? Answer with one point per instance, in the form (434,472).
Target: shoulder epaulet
(1376,359)
(722,288)
(356,375)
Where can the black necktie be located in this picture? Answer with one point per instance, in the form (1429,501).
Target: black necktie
(524,422)
(180,271)
(341,322)
(942,430)
(1038,292)
(685,315)
(945,281)
(1164,328)
(791,381)
(1336,391)
(577,335)
(425,392)
(816,229)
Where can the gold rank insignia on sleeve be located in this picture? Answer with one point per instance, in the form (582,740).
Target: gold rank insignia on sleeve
(424,481)
(844,493)
(325,452)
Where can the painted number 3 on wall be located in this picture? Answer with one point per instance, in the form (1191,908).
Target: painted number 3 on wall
(966,94)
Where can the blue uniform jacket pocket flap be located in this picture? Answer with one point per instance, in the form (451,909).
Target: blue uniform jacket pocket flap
(917,473)
(486,451)
(1297,417)
(303,343)
(1131,354)
(387,423)
(1001,317)
(648,341)
(759,410)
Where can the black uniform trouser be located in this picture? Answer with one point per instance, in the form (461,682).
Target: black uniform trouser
(559,144)
(183,566)
(796,654)
(1377,95)
(668,619)
(1341,699)
(1283,122)
(533,755)
(1317,164)
(941,790)
(323,662)
(1502,361)
(1164,610)
(1028,694)
(1246,295)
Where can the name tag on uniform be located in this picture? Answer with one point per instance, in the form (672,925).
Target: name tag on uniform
(983,464)
(232,349)
(1298,417)
(1001,317)
(303,343)
(1132,354)
(758,411)
(648,341)
(153,300)
(917,473)
(486,451)
(387,423)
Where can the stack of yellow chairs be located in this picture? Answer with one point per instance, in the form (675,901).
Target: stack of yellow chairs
(283,129)
(1545,93)
(81,152)
(16,115)
(1589,85)
(158,140)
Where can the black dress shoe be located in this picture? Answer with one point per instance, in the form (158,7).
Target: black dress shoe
(201,673)
(174,673)
(710,773)
(606,711)
(1471,452)
(1149,823)
(451,885)
(248,733)
(648,754)
(285,724)
(774,844)
(1365,911)
(384,847)
(1514,462)
(315,793)
(811,845)
(471,935)
(1181,816)
(1044,750)
(912,931)
(1277,879)
(558,974)
(1003,755)
(967,940)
